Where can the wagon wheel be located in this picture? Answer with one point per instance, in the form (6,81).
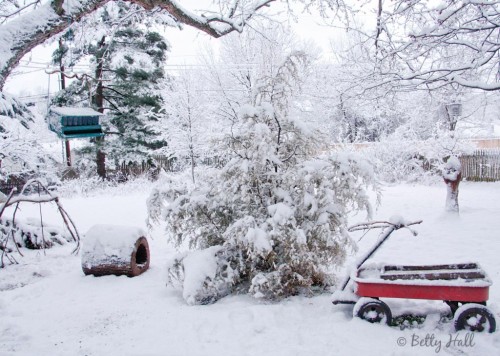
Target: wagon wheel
(373,310)
(474,317)
(455,305)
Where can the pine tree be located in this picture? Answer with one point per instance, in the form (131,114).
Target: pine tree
(21,156)
(125,85)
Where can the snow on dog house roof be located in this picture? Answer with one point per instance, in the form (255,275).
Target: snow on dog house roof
(73,111)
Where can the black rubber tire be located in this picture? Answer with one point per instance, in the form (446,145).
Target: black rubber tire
(375,311)
(474,317)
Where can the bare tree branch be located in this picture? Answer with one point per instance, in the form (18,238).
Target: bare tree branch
(18,10)
(23,198)
(457,42)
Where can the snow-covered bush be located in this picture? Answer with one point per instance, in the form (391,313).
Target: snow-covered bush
(30,234)
(21,157)
(95,186)
(271,222)
(10,107)
(398,160)
(206,275)
(273,219)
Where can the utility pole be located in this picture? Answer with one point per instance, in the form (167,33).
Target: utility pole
(63,86)
(99,102)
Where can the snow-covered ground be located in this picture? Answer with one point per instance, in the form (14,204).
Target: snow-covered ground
(48,307)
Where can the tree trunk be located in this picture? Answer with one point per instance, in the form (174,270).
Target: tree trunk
(379,29)
(452,175)
(452,194)
(101,162)
(61,65)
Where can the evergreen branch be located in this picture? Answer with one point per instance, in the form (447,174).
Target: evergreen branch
(112,104)
(116,91)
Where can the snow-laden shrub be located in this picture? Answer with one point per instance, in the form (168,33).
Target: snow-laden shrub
(30,234)
(96,186)
(411,161)
(21,156)
(272,221)
(12,108)
(206,275)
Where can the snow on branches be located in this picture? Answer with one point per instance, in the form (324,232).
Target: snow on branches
(20,154)
(440,43)
(19,35)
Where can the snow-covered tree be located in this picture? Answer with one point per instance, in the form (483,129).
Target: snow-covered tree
(13,108)
(188,121)
(272,221)
(20,153)
(428,44)
(21,31)
(276,217)
(352,99)
(128,66)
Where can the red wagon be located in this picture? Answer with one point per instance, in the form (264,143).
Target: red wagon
(464,287)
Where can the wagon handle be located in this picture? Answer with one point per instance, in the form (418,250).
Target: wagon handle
(389,228)
(382,224)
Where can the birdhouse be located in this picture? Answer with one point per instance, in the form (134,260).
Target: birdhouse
(454,109)
(70,122)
